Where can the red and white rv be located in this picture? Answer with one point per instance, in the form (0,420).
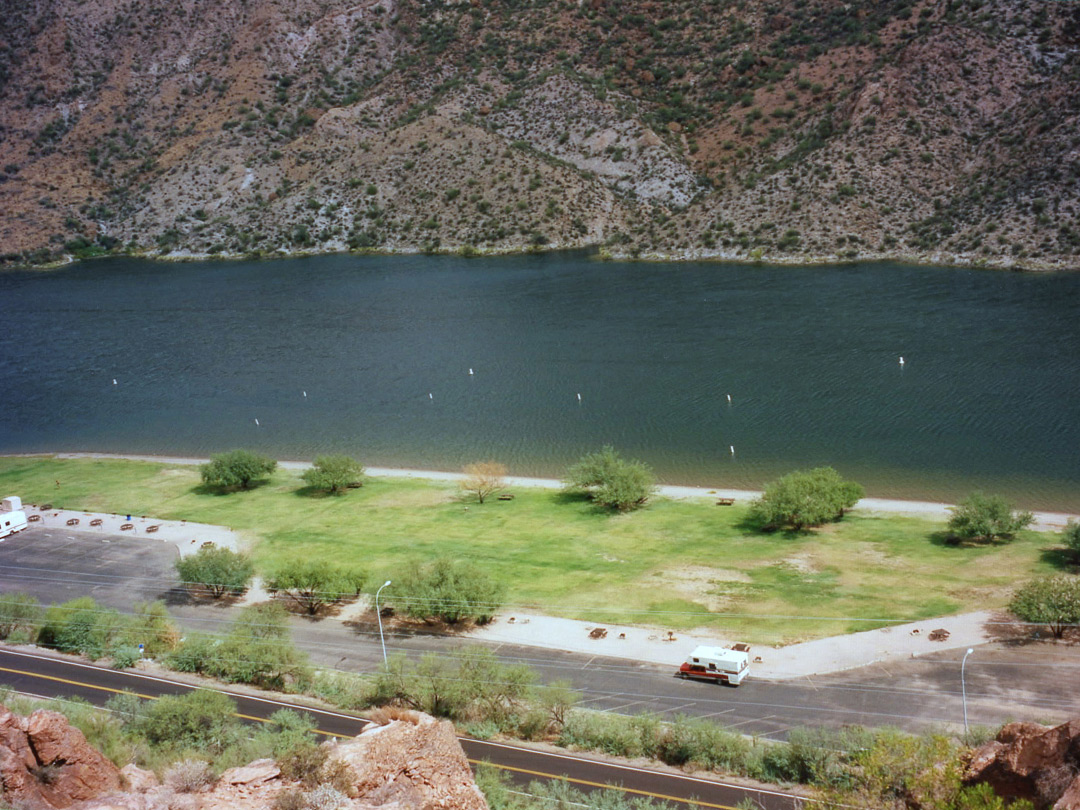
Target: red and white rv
(718,664)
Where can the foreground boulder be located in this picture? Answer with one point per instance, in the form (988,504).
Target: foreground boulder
(1034,762)
(46,762)
(413,762)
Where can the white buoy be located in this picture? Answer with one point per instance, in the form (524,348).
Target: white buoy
(305,395)
(256,422)
(732,449)
(729,397)
(430,396)
(114,381)
(579,397)
(901,360)
(470,372)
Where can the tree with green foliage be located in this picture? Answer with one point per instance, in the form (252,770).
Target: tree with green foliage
(1071,536)
(1053,601)
(19,611)
(236,469)
(804,498)
(315,584)
(334,473)
(611,481)
(985,518)
(218,569)
(448,590)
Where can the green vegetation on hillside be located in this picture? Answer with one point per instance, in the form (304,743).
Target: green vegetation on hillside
(674,564)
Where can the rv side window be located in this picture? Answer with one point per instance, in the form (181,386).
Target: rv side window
(712,666)
(696,661)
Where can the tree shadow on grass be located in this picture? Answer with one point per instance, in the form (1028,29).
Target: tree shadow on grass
(316,493)
(749,525)
(1061,558)
(214,489)
(946,539)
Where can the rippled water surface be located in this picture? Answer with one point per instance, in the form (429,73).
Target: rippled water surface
(988,395)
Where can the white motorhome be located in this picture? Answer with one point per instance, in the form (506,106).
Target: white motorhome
(12,517)
(718,664)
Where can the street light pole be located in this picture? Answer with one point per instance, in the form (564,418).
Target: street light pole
(963,687)
(378,615)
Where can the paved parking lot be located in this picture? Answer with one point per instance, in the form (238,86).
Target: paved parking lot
(60,564)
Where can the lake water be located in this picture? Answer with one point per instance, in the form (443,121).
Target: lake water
(989,395)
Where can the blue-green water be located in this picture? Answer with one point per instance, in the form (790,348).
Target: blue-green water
(988,395)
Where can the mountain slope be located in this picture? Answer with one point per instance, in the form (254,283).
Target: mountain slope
(793,130)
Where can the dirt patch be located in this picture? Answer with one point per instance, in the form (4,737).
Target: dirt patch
(699,584)
(804,563)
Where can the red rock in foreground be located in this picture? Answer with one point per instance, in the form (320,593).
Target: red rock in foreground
(47,762)
(1034,762)
(414,762)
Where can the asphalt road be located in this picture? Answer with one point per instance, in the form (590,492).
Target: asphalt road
(53,677)
(1004,681)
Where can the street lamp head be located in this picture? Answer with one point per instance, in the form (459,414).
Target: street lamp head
(386,583)
(970,651)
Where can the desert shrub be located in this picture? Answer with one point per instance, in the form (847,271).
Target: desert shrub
(343,689)
(202,720)
(188,776)
(125,657)
(475,686)
(325,797)
(303,763)
(810,757)
(612,734)
(151,626)
(19,611)
(292,799)
(693,741)
(80,626)
(258,650)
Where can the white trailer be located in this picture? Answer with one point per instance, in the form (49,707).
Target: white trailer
(12,517)
(718,664)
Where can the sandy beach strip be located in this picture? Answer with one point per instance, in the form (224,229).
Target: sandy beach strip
(1044,521)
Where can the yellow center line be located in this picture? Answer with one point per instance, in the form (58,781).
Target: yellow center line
(604,785)
(540,774)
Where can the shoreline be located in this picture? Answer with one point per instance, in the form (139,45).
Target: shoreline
(968,261)
(1044,521)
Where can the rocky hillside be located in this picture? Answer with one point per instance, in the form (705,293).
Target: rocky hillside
(413,762)
(794,130)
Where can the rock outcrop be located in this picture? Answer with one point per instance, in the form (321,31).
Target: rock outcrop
(413,762)
(46,762)
(1034,762)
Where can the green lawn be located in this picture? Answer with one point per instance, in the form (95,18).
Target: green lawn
(674,564)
